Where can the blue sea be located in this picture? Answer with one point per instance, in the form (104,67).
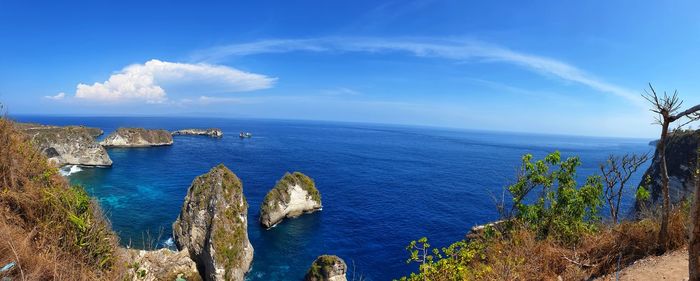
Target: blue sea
(381,185)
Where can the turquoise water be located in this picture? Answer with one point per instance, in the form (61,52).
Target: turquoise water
(382,186)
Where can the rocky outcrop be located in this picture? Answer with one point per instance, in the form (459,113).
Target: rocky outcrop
(681,156)
(137,137)
(478,231)
(162,264)
(69,145)
(292,196)
(212,132)
(212,225)
(327,268)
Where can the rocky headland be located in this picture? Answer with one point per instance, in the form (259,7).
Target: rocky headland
(292,196)
(137,137)
(68,145)
(327,268)
(211,132)
(212,226)
(681,156)
(162,264)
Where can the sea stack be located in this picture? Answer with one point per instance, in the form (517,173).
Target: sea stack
(211,132)
(212,226)
(327,268)
(292,196)
(69,145)
(137,137)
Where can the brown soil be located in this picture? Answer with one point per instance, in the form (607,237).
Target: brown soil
(671,266)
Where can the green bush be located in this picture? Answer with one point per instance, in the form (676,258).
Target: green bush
(547,199)
(547,202)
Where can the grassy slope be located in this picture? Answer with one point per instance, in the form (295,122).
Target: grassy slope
(51,230)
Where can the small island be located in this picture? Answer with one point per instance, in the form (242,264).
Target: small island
(292,196)
(211,132)
(327,268)
(137,137)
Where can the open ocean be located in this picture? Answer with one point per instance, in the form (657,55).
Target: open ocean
(381,185)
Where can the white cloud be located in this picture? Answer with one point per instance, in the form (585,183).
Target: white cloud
(58,96)
(148,82)
(460,50)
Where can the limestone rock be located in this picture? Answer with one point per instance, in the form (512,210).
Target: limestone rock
(69,145)
(681,156)
(327,268)
(212,132)
(292,196)
(162,264)
(212,225)
(137,137)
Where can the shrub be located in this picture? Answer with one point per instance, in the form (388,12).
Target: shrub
(560,208)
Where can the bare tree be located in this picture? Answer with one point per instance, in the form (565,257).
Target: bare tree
(667,108)
(694,244)
(616,173)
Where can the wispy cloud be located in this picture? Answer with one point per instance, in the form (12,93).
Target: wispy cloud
(58,96)
(218,100)
(148,82)
(340,91)
(451,49)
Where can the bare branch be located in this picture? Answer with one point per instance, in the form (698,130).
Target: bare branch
(616,172)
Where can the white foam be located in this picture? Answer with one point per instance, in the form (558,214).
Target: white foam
(169,243)
(69,170)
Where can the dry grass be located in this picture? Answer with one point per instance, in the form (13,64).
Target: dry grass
(522,257)
(50,230)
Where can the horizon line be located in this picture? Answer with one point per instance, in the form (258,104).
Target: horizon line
(442,127)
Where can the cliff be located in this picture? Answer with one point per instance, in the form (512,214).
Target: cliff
(211,132)
(137,137)
(212,225)
(292,196)
(70,145)
(327,268)
(681,155)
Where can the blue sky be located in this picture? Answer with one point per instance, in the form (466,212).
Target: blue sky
(561,67)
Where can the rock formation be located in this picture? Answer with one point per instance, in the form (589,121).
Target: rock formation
(212,225)
(478,231)
(212,132)
(292,196)
(681,156)
(69,145)
(327,268)
(137,137)
(162,264)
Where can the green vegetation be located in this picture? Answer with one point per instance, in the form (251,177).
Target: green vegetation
(561,209)
(229,247)
(551,230)
(322,267)
(52,230)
